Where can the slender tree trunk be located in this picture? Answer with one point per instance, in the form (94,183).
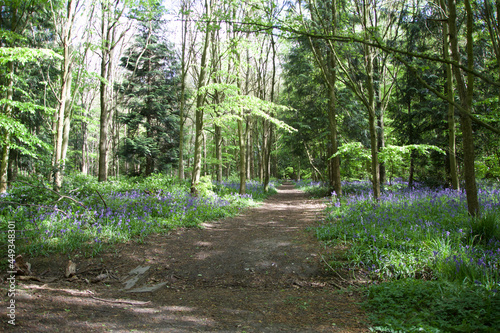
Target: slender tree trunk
(381,145)
(200,98)
(205,164)
(109,41)
(218,152)
(497,34)
(266,142)
(184,69)
(63,115)
(85,148)
(335,179)
(4,163)
(378,70)
(298,174)
(67,123)
(253,150)
(328,66)
(263,151)
(104,118)
(372,118)
(242,156)
(269,163)
(13,169)
(249,148)
(268,127)
(465,91)
(493,29)
(103,129)
(451,109)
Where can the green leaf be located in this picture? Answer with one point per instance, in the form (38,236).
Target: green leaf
(26,106)
(25,54)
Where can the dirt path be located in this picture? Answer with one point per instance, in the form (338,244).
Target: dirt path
(258,272)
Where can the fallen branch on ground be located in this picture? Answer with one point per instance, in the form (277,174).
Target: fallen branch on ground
(116,301)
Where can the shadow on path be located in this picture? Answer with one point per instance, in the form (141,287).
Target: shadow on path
(257,272)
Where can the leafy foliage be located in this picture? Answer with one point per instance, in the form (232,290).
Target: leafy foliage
(23,55)
(410,305)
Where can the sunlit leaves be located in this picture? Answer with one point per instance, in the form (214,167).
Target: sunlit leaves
(357,150)
(234,105)
(26,106)
(16,128)
(25,54)
(10,37)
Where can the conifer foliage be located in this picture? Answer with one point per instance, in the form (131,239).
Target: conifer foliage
(150,92)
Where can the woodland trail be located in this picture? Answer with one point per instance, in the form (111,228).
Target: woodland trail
(258,272)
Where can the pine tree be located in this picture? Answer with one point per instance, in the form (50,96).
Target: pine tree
(151,94)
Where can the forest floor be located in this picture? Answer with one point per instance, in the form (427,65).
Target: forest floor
(262,271)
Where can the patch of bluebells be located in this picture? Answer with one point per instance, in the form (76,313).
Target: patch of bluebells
(118,216)
(410,232)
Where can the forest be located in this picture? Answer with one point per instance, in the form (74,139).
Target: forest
(121,119)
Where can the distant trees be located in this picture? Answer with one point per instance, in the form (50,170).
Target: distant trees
(400,57)
(377,73)
(15,54)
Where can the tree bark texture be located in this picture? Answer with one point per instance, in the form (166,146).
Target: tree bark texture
(465,91)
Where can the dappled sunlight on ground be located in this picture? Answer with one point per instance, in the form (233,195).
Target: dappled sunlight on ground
(257,272)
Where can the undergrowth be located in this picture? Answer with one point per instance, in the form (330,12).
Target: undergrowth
(88,216)
(434,268)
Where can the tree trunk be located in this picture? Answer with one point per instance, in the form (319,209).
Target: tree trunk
(266,139)
(184,69)
(451,109)
(4,163)
(335,180)
(249,148)
(85,148)
(465,93)
(200,98)
(242,164)
(103,128)
(150,162)
(268,126)
(218,152)
(205,165)
(13,165)
(328,67)
(378,69)
(381,145)
(68,112)
(63,120)
(104,118)
(372,117)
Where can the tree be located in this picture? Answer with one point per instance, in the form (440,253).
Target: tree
(15,17)
(200,99)
(465,91)
(111,13)
(186,56)
(324,17)
(62,117)
(150,91)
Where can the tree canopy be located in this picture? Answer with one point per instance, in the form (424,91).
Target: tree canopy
(253,88)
